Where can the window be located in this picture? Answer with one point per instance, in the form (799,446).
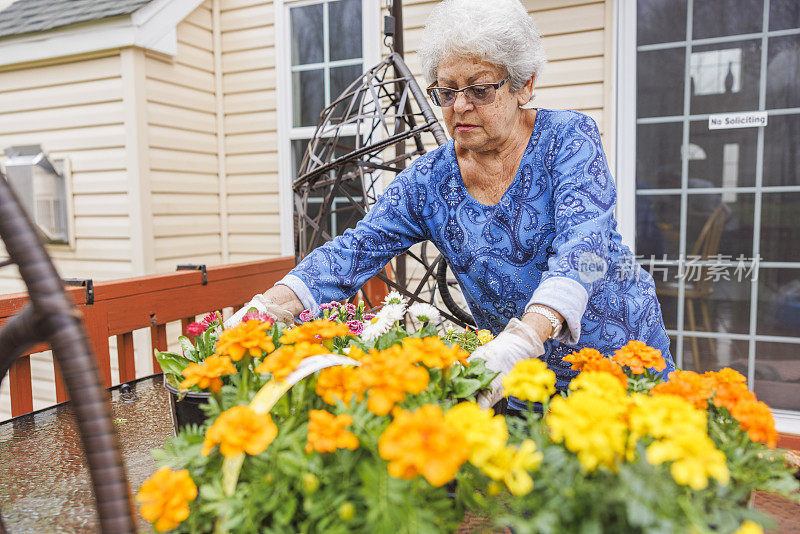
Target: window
(327,44)
(41,189)
(717,210)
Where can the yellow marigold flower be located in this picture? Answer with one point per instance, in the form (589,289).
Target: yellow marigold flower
(483,430)
(422,443)
(580,358)
(387,376)
(511,465)
(206,375)
(240,429)
(433,353)
(484,336)
(530,380)
(339,383)
(590,425)
(598,383)
(315,331)
(693,387)
(637,356)
(249,337)
(283,361)
(694,459)
(749,527)
(327,432)
(661,416)
(165,498)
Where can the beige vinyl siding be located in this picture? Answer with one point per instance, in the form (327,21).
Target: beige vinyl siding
(182,148)
(250,128)
(75,111)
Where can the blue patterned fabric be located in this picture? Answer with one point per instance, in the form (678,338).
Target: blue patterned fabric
(551,239)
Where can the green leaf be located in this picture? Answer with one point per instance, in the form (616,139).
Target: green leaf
(464,387)
(188,348)
(172,364)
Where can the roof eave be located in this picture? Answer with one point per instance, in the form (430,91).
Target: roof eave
(152,27)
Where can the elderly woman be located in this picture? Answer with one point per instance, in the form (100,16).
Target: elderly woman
(520,202)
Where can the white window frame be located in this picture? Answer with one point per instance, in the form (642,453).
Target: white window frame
(371,55)
(624,99)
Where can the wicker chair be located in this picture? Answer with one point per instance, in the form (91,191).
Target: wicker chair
(51,317)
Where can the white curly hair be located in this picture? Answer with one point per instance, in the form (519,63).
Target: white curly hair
(498,31)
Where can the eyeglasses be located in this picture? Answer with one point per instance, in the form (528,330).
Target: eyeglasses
(479,94)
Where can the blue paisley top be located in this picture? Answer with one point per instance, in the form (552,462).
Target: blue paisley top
(552,239)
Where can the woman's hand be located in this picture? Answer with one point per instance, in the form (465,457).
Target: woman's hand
(519,341)
(279,303)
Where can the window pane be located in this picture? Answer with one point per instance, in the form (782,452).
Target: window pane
(782,150)
(777,375)
(660,75)
(344,29)
(783,72)
(658,155)
(715,300)
(660,21)
(727,215)
(298,152)
(342,77)
(658,225)
(665,278)
(308,96)
(306,42)
(705,354)
(715,18)
(725,77)
(779,303)
(780,232)
(721,158)
(784,14)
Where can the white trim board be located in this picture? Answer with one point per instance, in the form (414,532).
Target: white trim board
(151,27)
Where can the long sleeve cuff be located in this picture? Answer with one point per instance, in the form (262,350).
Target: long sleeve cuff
(301,290)
(567,297)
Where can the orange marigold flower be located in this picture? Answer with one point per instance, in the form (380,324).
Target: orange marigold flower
(339,383)
(240,429)
(327,432)
(387,376)
(248,337)
(607,365)
(637,356)
(433,353)
(315,331)
(726,375)
(421,443)
(165,498)
(756,418)
(206,375)
(729,394)
(693,387)
(285,360)
(582,357)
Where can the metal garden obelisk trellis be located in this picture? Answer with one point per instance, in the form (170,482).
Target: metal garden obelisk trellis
(364,138)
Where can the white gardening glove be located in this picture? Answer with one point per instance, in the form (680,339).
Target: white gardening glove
(517,342)
(265,305)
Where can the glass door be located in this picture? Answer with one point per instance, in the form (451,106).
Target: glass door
(717,181)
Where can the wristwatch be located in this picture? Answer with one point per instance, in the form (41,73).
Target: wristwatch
(554,322)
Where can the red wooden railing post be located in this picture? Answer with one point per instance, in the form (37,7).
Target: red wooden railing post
(126,357)
(95,321)
(21,390)
(158,341)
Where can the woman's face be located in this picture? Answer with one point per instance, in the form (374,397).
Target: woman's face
(479,128)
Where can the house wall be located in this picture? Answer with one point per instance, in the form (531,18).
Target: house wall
(182,152)
(250,128)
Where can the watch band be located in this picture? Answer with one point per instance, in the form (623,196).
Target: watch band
(556,324)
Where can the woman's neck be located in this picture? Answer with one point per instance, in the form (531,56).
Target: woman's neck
(488,173)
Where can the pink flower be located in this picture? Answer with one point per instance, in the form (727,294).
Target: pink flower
(195,329)
(369,316)
(328,306)
(210,318)
(306,315)
(351,309)
(356,327)
(258,316)
(333,316)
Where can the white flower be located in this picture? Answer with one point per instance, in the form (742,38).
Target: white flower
(394,297)
(424,312)
(393,312)
(376,328)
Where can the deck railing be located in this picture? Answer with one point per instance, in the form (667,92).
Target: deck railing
(118,307)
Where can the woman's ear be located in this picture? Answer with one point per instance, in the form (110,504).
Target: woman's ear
(525,95)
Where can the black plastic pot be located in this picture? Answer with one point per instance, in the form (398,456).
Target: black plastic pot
(186,407)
